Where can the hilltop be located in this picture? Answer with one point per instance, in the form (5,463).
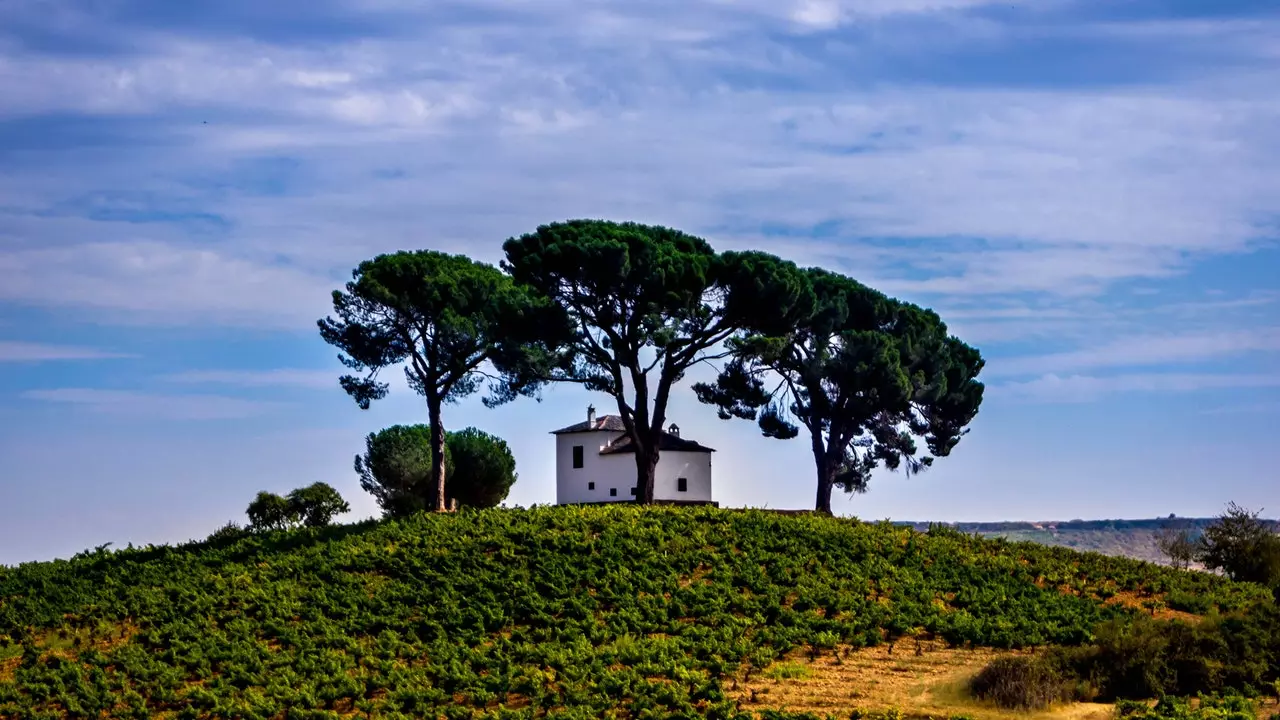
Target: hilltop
(575,612)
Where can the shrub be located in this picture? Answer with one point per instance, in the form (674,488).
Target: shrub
(316,504)
(1243,546)
(269,511)
(227,533)
(1019,683)
(483,468)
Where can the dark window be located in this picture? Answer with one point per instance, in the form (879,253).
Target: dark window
(591,486)
(682,484)
(613,492)
(577,456)
(633,491)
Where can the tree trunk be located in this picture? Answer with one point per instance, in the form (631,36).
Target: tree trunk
(646,469)
(826,477)
(437,499)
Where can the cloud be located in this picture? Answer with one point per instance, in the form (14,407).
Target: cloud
(711,116)
(1145,350)
(162,283)
(16,351)
(154,406)
(327,379)
(1085,388)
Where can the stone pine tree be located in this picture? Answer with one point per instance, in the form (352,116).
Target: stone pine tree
(645,303)
(452,322)
(865,375)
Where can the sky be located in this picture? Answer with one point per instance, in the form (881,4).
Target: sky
(1083,189)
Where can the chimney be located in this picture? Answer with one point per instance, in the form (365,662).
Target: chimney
(674,430)
(591,416)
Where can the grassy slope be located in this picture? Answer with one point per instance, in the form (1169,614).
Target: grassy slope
(557,612)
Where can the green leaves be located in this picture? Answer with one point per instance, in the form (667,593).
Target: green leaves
(396,468)
(642,305)
(311,506)
(862,372)
(587,611)
(443,314)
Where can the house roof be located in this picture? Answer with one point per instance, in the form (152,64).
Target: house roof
(610,423)
(666,443)
(613,423)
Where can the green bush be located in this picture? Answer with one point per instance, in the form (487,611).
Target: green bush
(1019,683)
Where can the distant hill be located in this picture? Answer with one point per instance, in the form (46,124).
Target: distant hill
(1122,538)
(557,612)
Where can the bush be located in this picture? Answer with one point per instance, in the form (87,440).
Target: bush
(1143,658)
(1019,683)
(316,504)
(1243,546)
(483,469)
(269,511)
(313,506)
(227,533)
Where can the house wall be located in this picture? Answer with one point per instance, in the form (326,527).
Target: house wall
(619,471)
(672,465)
(605,471)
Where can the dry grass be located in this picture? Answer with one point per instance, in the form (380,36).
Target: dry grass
(925,679)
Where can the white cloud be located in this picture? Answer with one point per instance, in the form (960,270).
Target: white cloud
(1147,350)
(260,378)
(16,351)
(153,406)
(158,282)
(1086,388)
(710,123)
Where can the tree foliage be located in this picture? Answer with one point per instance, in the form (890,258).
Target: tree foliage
(312,506)
(316,504)
(865,374)
(644,304)
(396,468)
(269,511)
(483,469)
(447,318)
(1176,540)
(1242,545)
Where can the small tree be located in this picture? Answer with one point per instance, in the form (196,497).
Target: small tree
(316,504)
(269,511)
(483,469)
(1177,542)
(396,469)
(1243,546)
(446,316)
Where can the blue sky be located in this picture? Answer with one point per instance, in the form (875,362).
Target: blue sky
(1086,190)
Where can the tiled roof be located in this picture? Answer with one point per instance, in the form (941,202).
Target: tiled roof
(612,423)
(668,442)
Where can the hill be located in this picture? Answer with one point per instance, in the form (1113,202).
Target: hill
(1124,538)
(618,611)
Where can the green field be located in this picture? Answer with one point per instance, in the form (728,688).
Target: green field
(562,612)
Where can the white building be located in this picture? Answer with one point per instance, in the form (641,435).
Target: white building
(595,463)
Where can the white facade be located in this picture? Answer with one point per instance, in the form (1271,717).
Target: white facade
(611,477)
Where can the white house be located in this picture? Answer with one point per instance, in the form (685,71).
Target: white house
(595,463)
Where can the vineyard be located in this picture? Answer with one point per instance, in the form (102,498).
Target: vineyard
(557,612)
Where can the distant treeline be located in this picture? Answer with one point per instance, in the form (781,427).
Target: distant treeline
(995,527)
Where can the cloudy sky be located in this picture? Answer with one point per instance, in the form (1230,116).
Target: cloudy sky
(1085,189)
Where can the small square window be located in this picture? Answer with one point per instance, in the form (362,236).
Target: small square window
(591,486)
(682,485)
(577,457)
(613,492)
(633,491)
